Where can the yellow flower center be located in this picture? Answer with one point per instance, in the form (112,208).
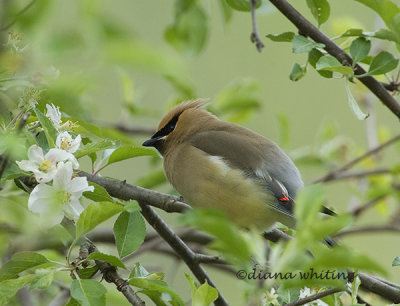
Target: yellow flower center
(46,165)
(66,197)
(65,144)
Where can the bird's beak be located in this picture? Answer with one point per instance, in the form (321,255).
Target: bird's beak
(152,142)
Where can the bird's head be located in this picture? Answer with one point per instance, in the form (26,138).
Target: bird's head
(179,124)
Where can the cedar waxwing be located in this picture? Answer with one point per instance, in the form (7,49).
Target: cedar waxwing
(217,164)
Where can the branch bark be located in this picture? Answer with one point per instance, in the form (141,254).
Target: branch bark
(314,297)
(308,29)
(111,275)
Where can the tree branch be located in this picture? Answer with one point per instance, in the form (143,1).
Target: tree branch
(369,229)
(334,173)
(110,274)
(187,255)
(313,297)
(146,197)
(308,29)
(124,191)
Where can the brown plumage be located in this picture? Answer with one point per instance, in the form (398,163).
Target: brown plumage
(222,165)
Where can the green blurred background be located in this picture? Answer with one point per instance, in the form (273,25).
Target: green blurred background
(108,62)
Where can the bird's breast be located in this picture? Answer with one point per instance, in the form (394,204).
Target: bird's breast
(210,182)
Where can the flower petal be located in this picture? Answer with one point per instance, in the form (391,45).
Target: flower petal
(27,165)
(35,154)
(56,155)
(75,144)
(53,113)
(79,185)
(62,178)
(73,209)
(41,197)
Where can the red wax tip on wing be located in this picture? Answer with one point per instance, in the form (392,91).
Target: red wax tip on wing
(284,198)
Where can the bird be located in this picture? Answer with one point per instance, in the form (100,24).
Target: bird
(225,166)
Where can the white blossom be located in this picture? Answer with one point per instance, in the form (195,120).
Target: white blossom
(45,167)
(306,292)
(62,198)
(270,298)
(53,113)
(65,142)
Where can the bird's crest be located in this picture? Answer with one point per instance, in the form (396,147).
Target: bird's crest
(180,108)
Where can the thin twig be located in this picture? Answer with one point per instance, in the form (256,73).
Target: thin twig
(4,161)
(27,7)
(332,174)
(369,229)
(357,174)
(255,36)
(187,255)
(125,191)
(314,297)
(363,207)
(110,274)
(392,86)
(308,29)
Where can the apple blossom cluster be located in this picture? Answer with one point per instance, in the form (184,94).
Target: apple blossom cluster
(58,192)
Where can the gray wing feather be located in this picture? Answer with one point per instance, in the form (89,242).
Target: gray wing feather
(259,158)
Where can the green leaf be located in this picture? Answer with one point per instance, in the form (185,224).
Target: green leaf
(297,72)
(382,63)
(140,271)
(189,32)
(313,56)
(104,133)
(87,273)
(129,231)
(320,9)
(8,288)
(386,9)
(93,147)
(182,86)
(238,99)
(20,262)
(43,279)
(126,152)
(113,260)
(160,286)
(152,179)
(72,302)
(204,295)
(353,103)
(241,5)
(283,37)
(396,261)
(132,206)
(49,129)
(342,257)
(302,44)
(384,34)
(88,292)
(359,49)
(229,240)
(330,63)
(308,204)
(226,11)
(95,214)
(99,194)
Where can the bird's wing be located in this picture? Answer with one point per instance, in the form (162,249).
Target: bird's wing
(251,159)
